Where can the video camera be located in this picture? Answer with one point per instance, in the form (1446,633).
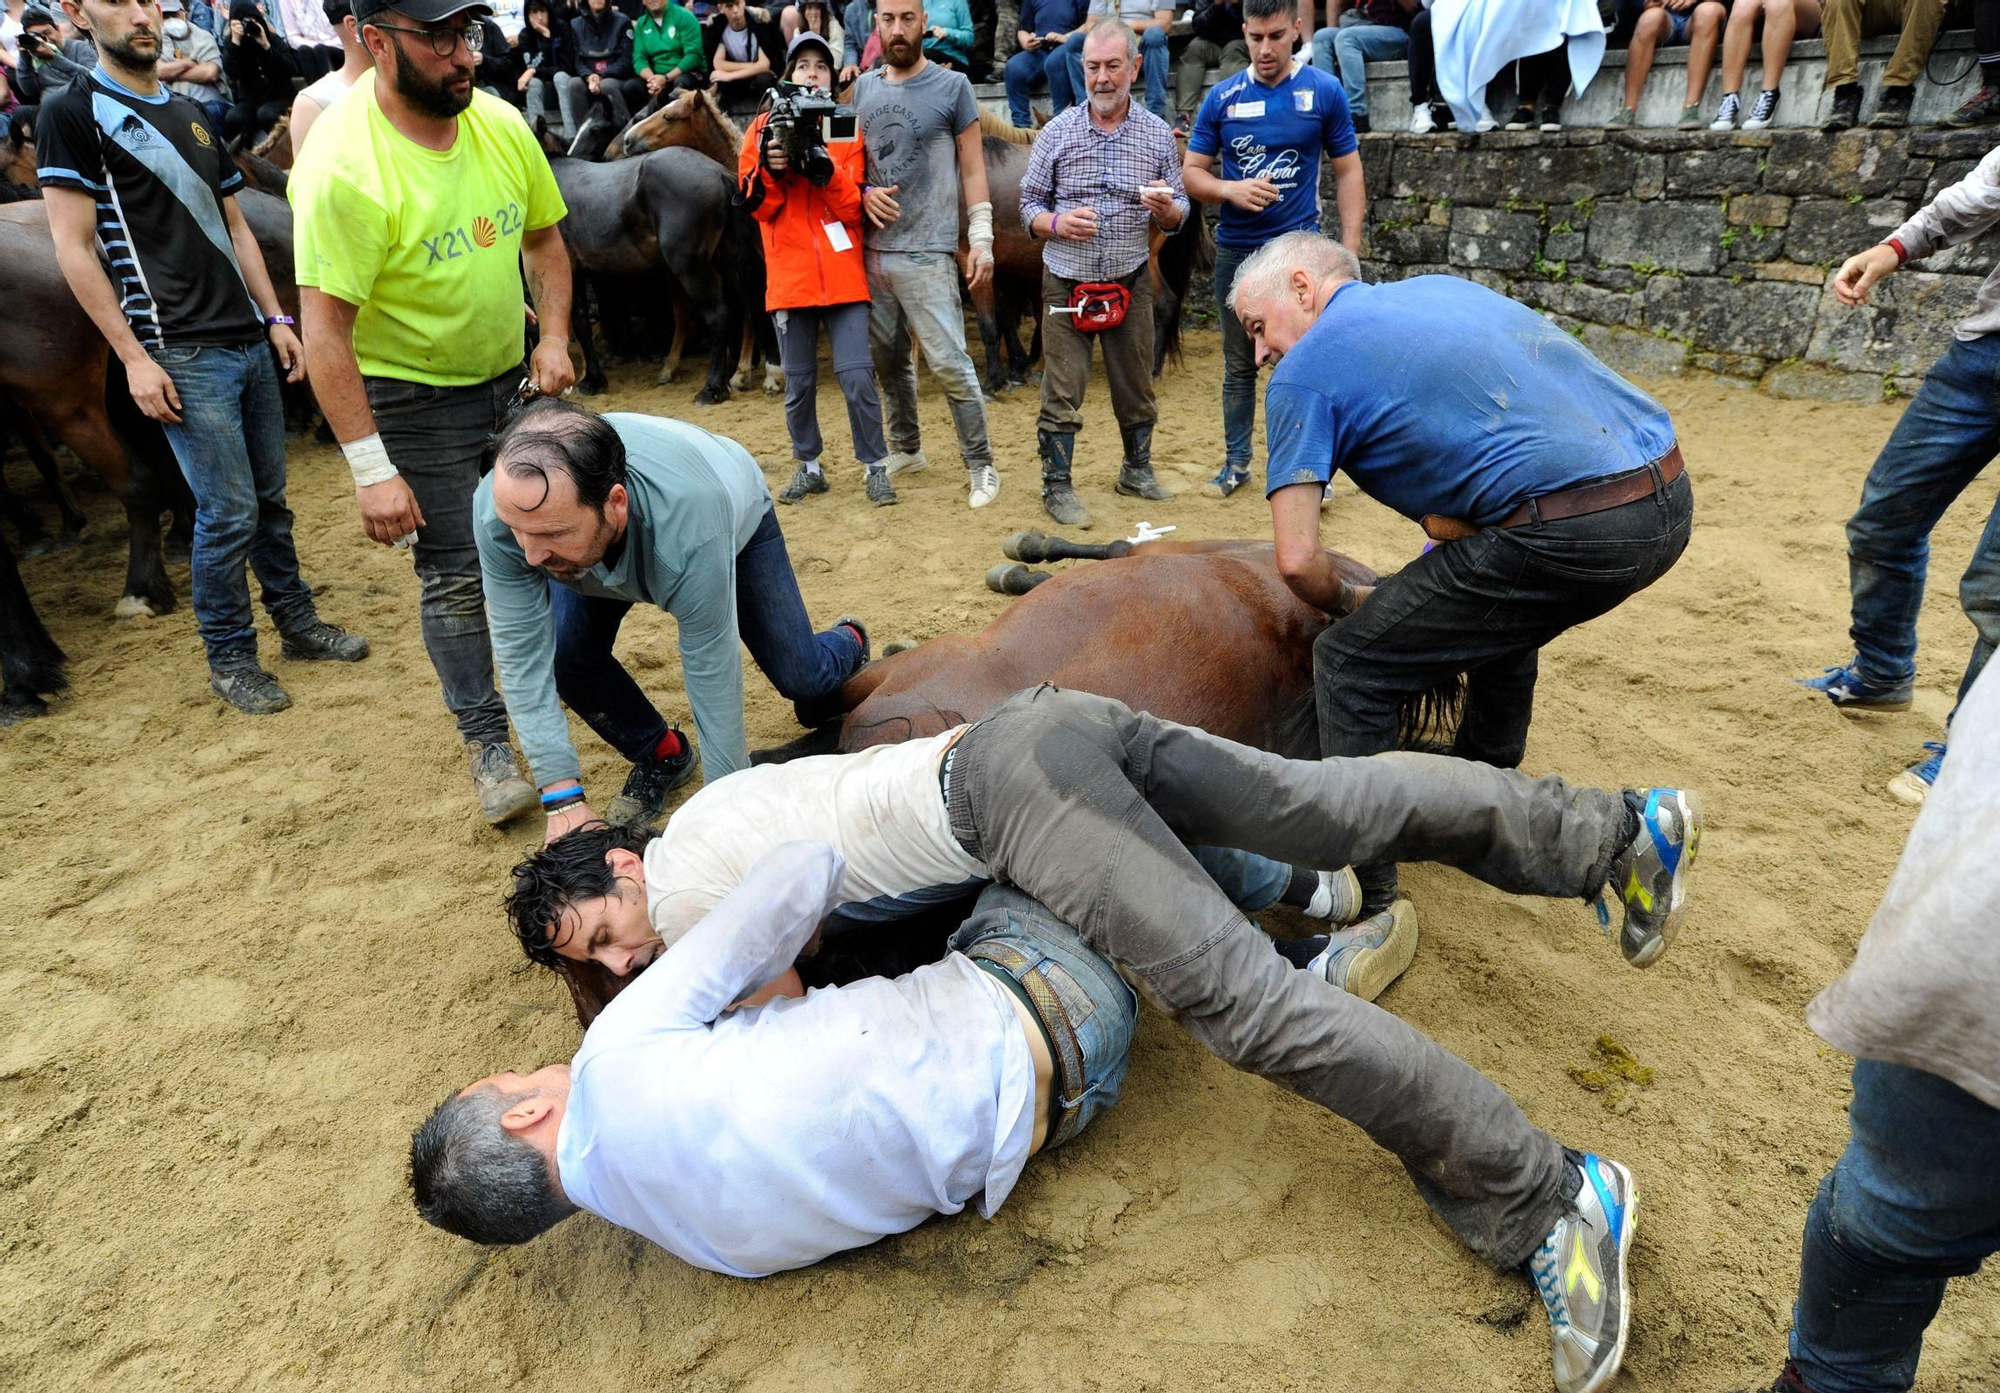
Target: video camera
(803,120)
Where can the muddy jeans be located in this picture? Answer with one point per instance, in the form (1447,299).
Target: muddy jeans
(1085,805)
(436,438)
(1128,358)
(918,292)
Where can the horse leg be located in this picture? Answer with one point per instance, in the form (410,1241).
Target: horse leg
(592,383)
(721,313)
(985,309)
(1036,547)
(670,370)
(768,352)
(746,355)
(88,431)
(31,663)
(1015,579)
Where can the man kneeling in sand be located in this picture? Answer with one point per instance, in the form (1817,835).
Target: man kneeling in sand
(765,1139)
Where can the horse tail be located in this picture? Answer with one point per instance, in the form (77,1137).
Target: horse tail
(1180,256)
(1428,720)
(1000,128)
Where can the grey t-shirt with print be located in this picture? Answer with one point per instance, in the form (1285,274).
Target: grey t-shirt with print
(911,131)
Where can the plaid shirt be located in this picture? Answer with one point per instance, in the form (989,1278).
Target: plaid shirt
(1075,164)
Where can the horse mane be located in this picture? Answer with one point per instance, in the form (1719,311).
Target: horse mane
(1000,128)
(261,173)
(722,118)
(280,138)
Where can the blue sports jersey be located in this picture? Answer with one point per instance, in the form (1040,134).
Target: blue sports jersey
(1275,133)
(1436,395)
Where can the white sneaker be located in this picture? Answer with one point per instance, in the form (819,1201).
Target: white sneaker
(984,481)
(1486,122)
(1421,120)
(905,462)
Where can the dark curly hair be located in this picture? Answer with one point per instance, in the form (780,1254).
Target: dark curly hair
(563,874)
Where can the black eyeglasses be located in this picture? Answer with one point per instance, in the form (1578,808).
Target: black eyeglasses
(444,41)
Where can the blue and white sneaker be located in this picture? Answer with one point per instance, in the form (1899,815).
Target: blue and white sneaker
(1227,480)
(1650,875)
(1845,687)
(1914,784)
(1579,1272)
(1365,959)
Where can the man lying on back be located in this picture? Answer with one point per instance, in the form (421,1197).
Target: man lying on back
(763,1139)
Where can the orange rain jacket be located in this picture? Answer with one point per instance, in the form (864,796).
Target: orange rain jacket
(801,268)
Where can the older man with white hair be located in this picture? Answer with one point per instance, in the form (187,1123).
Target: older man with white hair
(1550,487)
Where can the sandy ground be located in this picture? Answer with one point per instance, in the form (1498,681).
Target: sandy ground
(245,956)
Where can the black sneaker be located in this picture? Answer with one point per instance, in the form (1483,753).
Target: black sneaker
(804,482)
(1982,108)
(1360,120)
(1523,118)
(1552,115)
(320,641)
(644,797)
(248,688)
(1894,110)
(1846,108)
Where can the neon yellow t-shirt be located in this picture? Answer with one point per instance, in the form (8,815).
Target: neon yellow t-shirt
(427,243)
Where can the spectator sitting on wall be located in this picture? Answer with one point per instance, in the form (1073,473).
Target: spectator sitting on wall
(603,46)
(1782,21)
(1362,32)
(190,62)
(548,69)
(1845,24)
(1696,23)
(260,76)
(48,62)
(741,56)
(948,33)
(857,26)
(667,54)
(1982,108)
(1217,43)
(1043,28)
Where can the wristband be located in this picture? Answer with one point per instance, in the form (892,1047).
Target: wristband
(368,459)
(1895,244)
(979,227)
(563,801)
(273,320)
(556,795)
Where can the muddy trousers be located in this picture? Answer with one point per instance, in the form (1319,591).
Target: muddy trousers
(1087,806)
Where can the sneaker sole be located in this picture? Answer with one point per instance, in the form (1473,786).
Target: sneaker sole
(1161,497)
(504,813)
(293,655)
(1689,808)
(1626,1231)
(914,467)
(1375,969)
(1908,788)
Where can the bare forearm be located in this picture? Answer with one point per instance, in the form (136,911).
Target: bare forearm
(256,276)
(547,265)
(92,288)
(1201,183)
(330,363)
(1350,192)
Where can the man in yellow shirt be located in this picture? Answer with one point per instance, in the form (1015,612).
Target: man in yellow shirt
(417,207)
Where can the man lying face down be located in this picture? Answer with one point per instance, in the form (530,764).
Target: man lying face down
(753,1141)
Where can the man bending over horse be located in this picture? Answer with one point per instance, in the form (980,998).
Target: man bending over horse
(618,509)
(715,1134)
(1552,487)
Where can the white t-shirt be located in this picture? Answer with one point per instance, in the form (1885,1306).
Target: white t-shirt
(754,1141)
(327,90)
(881,809)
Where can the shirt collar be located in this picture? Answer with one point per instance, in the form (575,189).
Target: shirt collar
(159,98)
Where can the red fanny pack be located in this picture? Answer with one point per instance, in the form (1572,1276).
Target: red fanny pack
(1098,305)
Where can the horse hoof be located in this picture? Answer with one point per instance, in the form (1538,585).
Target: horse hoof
(14,709)
(898,645)
(587,388)
(1025,546)
(711,396)
(135,607)
(667,379)
(1014,579)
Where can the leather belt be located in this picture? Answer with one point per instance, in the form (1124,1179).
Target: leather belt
(1581,501)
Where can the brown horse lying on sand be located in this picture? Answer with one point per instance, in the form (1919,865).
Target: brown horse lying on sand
(1201,633)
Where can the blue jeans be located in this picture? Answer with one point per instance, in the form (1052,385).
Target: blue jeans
(1346,48)
(231,446)
(1024,937)
(1021,76)
(770,616)
(1155,68)
(1913,1201)
(1251,882)
(1239,364)
(1950,431)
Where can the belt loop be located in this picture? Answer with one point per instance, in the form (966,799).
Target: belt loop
(1534,513)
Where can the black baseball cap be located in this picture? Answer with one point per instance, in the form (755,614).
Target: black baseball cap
(422,11)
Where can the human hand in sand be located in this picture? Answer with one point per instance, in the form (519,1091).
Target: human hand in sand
(568,820)
(1858,276)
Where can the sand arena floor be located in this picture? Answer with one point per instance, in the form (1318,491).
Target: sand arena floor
(245,956)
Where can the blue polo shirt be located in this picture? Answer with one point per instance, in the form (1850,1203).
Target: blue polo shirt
(1275,133)
(1436,395)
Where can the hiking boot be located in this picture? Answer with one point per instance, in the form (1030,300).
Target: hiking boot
(504,792)
(644,797)
(1846,688)
(806,481)
(1058,497)
(1893,111)
(1522,119)
(903,462)
(1552,115)
(1650,875)
(320,641)
(1579,1272)
(1787,1381)
(1914,784)
(1982,108)
(982,482)
(1363,960)
(1846,108)
(1726,114)
(248,688)
(1230,478)
(880,491)
(1623,119)
(1763,111)
(1422,122)
(1135,471)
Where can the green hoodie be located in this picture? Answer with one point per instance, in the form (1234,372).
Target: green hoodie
(669,42)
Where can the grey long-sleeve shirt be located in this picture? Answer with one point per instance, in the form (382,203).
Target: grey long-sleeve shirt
(696,499)
(1956,215)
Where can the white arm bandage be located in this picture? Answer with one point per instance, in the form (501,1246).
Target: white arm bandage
(979,228)
(368,459)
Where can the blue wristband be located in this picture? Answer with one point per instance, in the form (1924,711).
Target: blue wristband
(562,795)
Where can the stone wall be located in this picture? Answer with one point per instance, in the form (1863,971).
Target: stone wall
(1664,250)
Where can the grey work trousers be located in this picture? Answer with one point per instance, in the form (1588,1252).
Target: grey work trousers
(798,353)
(1088,807)
(1128,358)
(917,292)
